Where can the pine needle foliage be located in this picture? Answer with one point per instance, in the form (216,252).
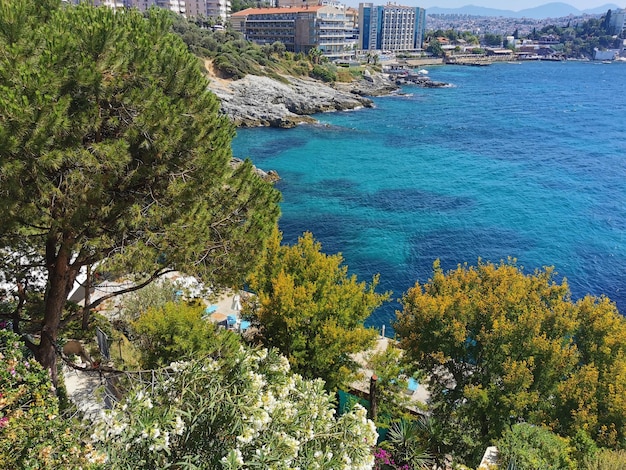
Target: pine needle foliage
(112,151)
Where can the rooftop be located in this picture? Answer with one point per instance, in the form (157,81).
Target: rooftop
(275,11)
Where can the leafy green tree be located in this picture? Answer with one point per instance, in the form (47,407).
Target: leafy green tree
(606,23)
(434,47)
(312,310)
(245,410)
(528,447)
(501,346)
(176,330)
(238,5)
(491,39)
(593,397)
(391,385)
(112,151)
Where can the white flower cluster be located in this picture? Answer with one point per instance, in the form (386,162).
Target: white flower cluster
(210,365)
(138,426)
(243,412)
(282,365)
(293,421)
(178,366)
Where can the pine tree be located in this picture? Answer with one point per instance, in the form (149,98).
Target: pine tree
(112,152)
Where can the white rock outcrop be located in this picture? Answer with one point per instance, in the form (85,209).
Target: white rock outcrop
(262,101)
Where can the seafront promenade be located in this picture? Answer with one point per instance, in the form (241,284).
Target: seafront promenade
(415,63)
(471,59)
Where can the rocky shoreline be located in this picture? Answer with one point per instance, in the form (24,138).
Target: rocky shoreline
(256,101)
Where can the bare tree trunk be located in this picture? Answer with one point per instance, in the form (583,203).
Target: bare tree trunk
(61,277)
(373,411)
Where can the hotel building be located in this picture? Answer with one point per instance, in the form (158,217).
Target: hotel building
(300,29)
(391,27)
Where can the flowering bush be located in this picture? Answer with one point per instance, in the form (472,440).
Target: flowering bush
(384,460)
(32,434)
(404,449)
(244,411)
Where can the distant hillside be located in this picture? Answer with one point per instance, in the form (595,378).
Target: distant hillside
(601,9)
(549,10)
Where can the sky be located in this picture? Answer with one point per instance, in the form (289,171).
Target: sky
(515,5)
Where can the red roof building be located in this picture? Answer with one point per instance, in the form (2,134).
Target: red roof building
(300,29)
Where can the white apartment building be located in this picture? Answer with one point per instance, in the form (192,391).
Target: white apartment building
(218,9)
(113,4)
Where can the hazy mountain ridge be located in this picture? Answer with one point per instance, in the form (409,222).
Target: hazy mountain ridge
(549,10)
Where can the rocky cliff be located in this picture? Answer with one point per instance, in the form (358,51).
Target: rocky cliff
(256,101)
(261,101)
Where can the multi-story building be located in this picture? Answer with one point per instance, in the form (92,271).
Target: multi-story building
(177,6)
(112,4)
(391,27)
(618,21)
(300,29)
(352,28)
(218,9)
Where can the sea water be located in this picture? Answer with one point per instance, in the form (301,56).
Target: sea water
(512,160)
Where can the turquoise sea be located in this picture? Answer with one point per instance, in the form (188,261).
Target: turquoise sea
(513,160)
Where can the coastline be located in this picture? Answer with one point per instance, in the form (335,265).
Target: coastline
(258,101)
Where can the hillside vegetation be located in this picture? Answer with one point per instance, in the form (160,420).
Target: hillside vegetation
(234,57)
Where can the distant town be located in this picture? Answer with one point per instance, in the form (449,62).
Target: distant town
(341,33)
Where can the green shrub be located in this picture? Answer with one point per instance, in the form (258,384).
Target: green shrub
(344,75)
(177,330)
(323,73)
(606,459)
(529,447)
